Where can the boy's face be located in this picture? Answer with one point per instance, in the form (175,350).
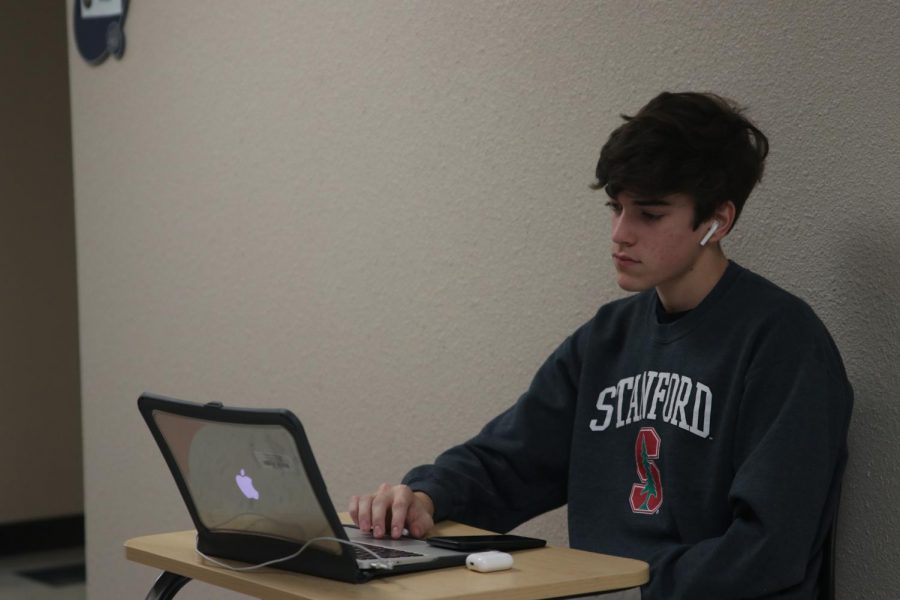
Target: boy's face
(654,242)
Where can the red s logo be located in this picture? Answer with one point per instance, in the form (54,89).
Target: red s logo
(647,496)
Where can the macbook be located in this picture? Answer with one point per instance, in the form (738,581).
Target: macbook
(255,494)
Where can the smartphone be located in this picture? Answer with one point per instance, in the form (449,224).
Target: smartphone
(477,543)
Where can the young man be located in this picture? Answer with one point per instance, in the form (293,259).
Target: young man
(699,424)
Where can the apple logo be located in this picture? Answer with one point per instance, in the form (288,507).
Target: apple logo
(246,484)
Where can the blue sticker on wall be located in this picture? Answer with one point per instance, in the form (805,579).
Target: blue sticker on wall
(99,29)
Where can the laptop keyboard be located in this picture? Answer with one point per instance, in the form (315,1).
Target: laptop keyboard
(381,552)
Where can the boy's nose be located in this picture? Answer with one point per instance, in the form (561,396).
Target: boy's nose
(622,233)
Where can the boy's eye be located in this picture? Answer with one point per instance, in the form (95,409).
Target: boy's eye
(646,216)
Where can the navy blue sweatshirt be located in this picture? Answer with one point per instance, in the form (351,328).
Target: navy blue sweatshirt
(711,447)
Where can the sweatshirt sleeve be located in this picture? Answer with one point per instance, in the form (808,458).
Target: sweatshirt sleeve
(517,466)
(789,456)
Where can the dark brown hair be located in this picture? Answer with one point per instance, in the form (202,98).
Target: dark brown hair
(693,143)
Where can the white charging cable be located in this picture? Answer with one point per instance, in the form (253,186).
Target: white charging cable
(375,565)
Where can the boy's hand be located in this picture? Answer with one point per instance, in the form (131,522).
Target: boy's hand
(390,509)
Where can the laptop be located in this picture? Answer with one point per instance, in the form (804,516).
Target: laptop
(255,494)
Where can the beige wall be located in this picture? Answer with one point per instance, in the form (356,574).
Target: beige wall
(40,413)
(378,215)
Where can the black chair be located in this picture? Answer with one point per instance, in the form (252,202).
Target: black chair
(826,572)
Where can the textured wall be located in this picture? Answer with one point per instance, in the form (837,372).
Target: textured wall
(377,215)
(40,420)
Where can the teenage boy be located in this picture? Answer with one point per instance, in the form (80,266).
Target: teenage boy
(699,424)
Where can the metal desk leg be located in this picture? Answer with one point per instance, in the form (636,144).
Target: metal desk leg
(167,586)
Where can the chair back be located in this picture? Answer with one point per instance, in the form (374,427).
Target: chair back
(826,572)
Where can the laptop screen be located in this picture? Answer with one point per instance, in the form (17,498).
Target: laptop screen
(246,478)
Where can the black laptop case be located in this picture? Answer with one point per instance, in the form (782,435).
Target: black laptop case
(335,562)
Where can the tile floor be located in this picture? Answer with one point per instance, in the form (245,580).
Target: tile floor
(14,585)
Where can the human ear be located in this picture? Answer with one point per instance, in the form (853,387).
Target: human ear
(724,219)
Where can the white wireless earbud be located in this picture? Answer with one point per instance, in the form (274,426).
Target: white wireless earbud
(709,234)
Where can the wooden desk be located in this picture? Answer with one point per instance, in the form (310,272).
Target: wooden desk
(548,572)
